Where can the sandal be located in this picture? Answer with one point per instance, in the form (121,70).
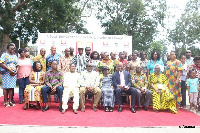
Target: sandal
(7,105)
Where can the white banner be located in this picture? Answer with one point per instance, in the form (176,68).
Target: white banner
(99,43)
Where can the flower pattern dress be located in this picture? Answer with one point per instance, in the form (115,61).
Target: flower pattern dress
(172,69)
(10,61)
(32,93)
(164,100)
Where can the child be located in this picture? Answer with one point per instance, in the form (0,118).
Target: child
(192,85)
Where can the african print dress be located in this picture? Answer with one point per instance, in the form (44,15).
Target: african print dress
(172,69)
(108,98)
(164,100)
(32,93)
(111,65)
(10,61)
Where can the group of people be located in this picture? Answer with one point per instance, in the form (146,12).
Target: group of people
(103,75)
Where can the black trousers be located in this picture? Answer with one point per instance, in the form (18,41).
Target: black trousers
(183,92)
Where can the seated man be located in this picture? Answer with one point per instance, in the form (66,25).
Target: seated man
(122,83)
(71,89)
(53,83)
(89,81)
(140,82)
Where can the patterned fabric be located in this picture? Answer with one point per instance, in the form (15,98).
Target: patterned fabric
(172,69)
(80,62)
(32,93)
(42,60)
(108,98)
(10,61)
(124,62)
(139,81)
(89,79)
(51,58)
(64,63)
(54,78)
(144,66)
(111,65)
(164,100)
(197,69)
(151,65)
(132,66)
(94,63)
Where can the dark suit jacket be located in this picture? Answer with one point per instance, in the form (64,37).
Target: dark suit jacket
(116,79)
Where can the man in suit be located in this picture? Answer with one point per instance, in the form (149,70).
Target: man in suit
(122,83)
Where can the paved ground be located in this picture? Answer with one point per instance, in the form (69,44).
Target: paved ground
(63,129)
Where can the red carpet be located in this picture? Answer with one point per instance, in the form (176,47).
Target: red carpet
(17,116)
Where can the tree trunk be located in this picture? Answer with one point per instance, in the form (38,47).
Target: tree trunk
(5,41)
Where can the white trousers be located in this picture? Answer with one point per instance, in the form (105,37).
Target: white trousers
(70,92)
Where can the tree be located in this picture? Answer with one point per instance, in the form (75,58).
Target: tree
(187,30)
(25,18)
(158,46)
(132,17)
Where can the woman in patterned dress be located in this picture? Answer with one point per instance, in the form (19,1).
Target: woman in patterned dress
(163,98)
(107,95)
(33,91)
(106,61)
(9,61)
(173,73)
(144,61)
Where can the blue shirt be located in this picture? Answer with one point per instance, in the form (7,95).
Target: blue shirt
(151,65)
(193,84)
(51,58)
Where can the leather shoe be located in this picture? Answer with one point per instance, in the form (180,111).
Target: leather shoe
(45,109)
(133,110)
(120,109)
(94,109)
(145,108)
(20,102)
(138,108)
(82,109)
(60,109)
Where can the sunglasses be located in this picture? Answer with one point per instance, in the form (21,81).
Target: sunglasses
(188,52)
(89,66)
(12,48)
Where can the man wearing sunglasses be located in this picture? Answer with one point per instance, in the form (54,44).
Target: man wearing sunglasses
(89,82)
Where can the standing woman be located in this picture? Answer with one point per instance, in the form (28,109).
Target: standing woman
(173,73)
(155,59)
(94,59)
(25,67)
(9,61)
(33,91)
(131,66)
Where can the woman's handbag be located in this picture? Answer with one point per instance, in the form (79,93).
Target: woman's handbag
(2,70)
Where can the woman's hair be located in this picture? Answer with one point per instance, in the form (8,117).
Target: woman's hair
(92,55)
(196,58)
(10,44)
(34,65)
(20,50)
(158,55)
(141,53)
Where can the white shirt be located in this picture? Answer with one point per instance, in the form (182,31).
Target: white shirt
(71,79)
(122,81)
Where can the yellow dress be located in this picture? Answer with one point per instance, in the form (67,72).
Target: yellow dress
(164,100)
(32,93)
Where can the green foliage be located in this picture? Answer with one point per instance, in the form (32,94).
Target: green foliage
(40,16)
(135,18)
(187,30)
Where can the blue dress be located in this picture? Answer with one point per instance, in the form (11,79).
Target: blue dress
(108,98)
(10,61)
(51,58)
(151,65)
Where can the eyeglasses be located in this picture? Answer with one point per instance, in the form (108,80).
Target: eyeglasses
(12,48)
(106,55)
(188,52)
